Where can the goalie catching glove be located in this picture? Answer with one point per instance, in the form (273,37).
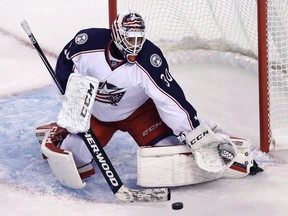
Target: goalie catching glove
(77,103)
(213,153)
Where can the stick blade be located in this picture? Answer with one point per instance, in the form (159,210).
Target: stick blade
(143,195)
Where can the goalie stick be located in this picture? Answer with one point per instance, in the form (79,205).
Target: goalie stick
(122,192)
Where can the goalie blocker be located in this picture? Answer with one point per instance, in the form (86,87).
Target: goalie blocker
(77,103)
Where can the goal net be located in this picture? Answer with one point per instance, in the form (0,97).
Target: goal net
(249,34)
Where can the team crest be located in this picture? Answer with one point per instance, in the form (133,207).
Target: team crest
(156,60)
(81,38)
(108,93)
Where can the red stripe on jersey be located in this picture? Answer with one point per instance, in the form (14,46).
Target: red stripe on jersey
(84,52)
(169,96)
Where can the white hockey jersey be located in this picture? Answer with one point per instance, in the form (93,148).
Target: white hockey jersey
(126,87)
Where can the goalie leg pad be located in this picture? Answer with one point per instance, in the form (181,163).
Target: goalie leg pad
(169,166)
(62,165)
(174,166)
(61,161)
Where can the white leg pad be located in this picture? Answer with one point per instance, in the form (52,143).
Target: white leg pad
(169,166)
(62,164)
(174,166)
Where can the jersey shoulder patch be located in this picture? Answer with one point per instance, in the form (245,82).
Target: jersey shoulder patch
(151,57)
(155,60)
(89,39)
(81,38)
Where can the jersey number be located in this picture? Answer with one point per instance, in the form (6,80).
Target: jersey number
(166,77)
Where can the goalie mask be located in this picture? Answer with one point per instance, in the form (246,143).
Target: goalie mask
(128,34)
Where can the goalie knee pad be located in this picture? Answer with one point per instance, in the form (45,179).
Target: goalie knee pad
(57,134)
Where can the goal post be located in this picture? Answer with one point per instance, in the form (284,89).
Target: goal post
(251,34)
(112,7)
(264,126)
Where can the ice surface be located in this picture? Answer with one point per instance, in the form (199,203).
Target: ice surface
(222,94)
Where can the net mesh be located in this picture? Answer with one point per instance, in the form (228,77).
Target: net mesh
(202,24)
(278,60)
(222,31)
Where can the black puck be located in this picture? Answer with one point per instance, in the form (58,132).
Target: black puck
(177,205)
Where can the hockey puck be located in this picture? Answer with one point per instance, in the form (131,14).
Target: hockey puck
(177,205)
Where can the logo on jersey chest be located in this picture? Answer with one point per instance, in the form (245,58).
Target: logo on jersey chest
(108,93)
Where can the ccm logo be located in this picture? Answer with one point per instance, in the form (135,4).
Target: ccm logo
(150,129)
(199,137)
(87,101)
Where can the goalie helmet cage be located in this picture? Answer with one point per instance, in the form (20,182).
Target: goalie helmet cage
(251,34)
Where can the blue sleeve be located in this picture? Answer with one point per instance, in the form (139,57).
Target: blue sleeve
(64,67)
(154,62)
(84,40)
